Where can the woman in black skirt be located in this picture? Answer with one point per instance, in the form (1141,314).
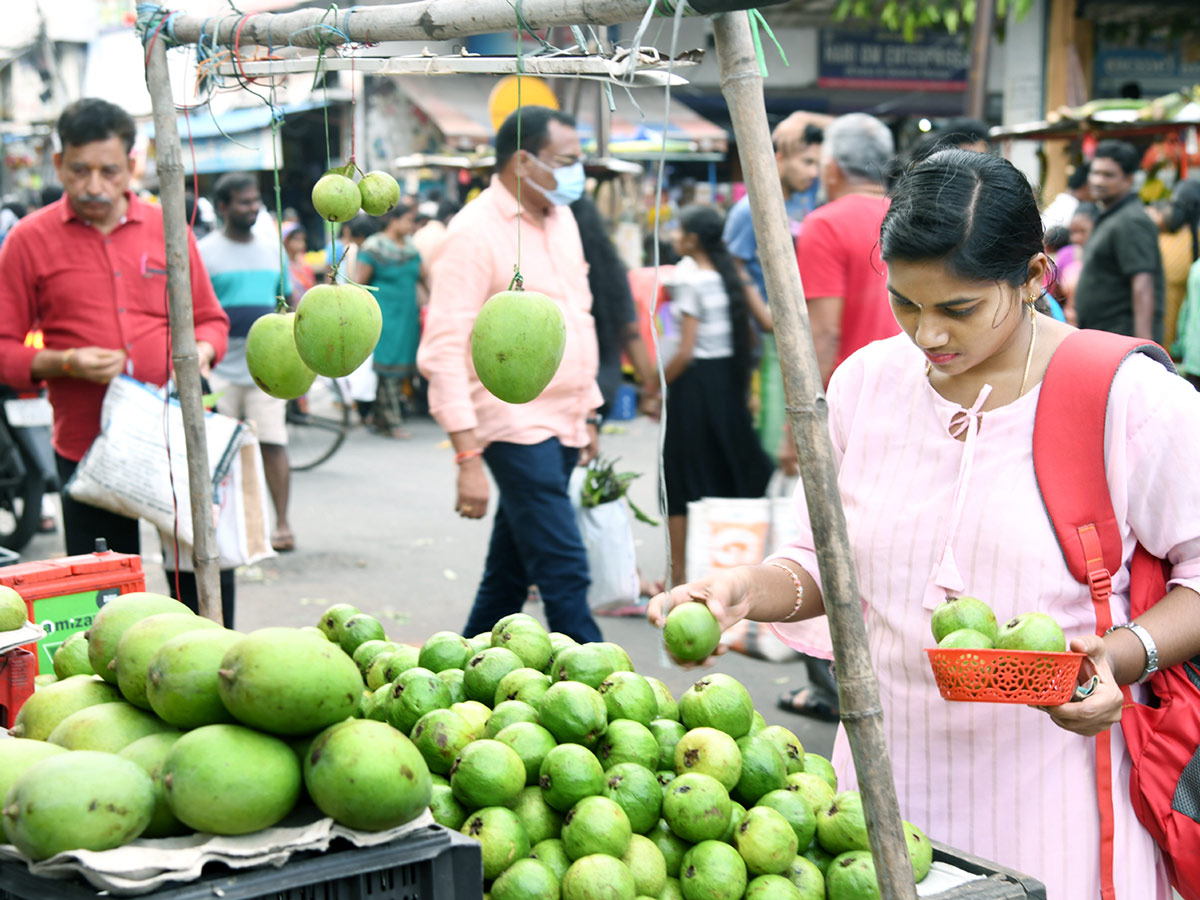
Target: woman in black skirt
(711,449)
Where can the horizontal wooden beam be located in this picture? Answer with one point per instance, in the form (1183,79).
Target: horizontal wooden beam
(423,20)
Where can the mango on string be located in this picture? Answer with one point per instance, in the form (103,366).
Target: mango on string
(272,357)
(336,327)
(517,344)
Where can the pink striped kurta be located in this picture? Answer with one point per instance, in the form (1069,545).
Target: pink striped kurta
(1000,781)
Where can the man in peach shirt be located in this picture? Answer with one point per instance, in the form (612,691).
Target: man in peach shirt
(532,448)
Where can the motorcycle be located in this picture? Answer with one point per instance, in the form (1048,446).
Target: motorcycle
(27,468)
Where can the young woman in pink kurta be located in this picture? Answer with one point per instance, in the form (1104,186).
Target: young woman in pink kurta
(932,432)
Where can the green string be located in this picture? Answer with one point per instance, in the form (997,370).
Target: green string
(757,21)
(321,45)
(281,302)
(518,280)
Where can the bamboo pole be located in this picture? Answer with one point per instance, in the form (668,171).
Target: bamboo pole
(858,690)
(981,44)
(184,356)
(423,20)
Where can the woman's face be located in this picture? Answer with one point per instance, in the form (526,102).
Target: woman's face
(960,325)
(406,224)
(1080,229)
(683,241)
(296,243)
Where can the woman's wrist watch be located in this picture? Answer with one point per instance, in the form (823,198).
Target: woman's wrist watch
(1147,642)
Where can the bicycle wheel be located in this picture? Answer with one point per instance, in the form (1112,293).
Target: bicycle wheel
(317,423)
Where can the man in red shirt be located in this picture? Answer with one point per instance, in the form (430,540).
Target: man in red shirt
(844,279)
(90,271)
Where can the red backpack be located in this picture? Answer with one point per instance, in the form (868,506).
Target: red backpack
(1068,460)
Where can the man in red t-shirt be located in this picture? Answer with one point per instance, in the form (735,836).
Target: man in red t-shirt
(844,279)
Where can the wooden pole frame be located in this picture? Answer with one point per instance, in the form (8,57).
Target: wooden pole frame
(184,356)
(808,413)
(742,86)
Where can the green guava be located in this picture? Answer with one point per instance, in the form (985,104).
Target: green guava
(966,639)
(766,841)
(1034,631)
(378,192)
(963,612)
(502,837)
(531,742)
(851,876)
(628,695)
(717,701)
(627,741)
(712,870)
(697,807)
(842,826)
(336,198)
(763,769)
(635,789)
(509,712)
(595,825)
(568,773)
(573,713)
(667,707)
(487,773)
(541,820)
(795,808)
(691,632)
(712,752)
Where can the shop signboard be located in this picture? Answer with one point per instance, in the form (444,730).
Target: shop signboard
(244,151)
(881,60)
(1156,65)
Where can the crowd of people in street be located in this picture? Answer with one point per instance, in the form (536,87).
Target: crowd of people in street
(937,291)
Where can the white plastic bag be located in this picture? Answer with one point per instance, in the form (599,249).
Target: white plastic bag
(243,524)
(607,533)
(127,469)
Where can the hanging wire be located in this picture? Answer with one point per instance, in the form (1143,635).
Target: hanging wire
(518,280)
(658,360)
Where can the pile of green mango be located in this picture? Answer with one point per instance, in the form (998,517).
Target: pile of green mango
(159,722)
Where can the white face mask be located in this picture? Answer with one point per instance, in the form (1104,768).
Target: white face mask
(569,183)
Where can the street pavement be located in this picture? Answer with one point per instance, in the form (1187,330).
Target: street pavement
(375,526)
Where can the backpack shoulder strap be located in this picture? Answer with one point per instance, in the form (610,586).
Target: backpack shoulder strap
(1068,462)
(1068,451)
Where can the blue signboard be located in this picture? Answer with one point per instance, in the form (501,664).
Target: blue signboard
(882,60)
(1157,66)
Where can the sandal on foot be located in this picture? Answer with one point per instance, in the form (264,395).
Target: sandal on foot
(283,542)
(802,702)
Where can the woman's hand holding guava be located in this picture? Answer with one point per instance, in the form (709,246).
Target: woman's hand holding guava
(724,593)
(1102,709)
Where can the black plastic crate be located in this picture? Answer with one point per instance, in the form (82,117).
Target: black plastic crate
(1000,883)
(434,863)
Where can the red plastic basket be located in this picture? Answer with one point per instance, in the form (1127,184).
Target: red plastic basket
(1005,676)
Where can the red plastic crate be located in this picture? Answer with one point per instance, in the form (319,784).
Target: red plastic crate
(63,595)
(17,671)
